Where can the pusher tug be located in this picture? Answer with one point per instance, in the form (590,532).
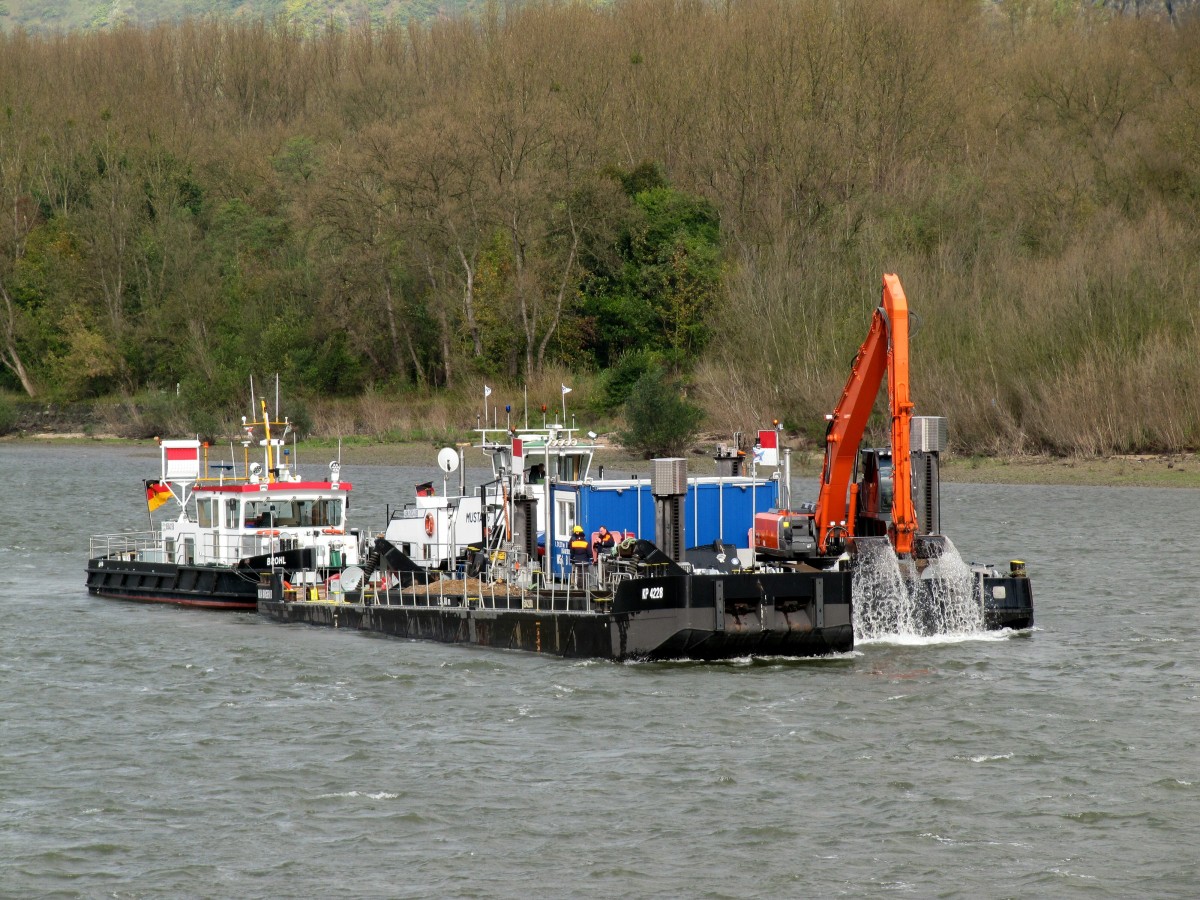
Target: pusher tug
(232,531)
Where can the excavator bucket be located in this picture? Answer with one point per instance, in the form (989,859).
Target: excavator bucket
(860,547)
(929,546)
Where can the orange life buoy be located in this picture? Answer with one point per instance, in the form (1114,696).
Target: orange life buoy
(429,524)
(266,532)
(332,531)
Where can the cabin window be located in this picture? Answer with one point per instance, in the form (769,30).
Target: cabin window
(263,513)
(231,514)
(568,467)
(564,518)
(279,513)
(204,513)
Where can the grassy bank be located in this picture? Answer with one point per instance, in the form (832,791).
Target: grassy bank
(1178,471)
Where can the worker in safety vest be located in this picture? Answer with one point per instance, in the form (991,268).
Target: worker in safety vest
(604,543)
(580,551)
(581,557)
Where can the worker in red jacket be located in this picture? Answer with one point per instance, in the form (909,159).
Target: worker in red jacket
(603,544)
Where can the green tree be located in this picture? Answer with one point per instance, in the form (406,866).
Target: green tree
(660,422)
(656,291)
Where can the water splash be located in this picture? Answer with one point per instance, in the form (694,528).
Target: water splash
(906,598)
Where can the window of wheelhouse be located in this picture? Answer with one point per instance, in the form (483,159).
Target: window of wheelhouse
(231,513)
(204,513)
(571,467)
(292,513)
(327,513)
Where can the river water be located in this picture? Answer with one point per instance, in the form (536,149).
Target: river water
(159,752)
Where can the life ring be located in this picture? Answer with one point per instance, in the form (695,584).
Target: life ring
(266,532)
(429,524)
(332,531)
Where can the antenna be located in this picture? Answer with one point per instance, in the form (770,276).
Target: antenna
(276,396)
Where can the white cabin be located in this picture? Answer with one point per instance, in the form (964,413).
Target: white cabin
(224,520)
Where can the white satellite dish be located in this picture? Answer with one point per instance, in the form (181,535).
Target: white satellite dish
(447,459)
(352,577)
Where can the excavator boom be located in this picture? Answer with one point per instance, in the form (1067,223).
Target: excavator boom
(885,350)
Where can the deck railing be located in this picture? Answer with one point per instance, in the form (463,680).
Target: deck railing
(127,544)
(512,582)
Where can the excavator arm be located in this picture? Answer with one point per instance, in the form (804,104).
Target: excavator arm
(885,350)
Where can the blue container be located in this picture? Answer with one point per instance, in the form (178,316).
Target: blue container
(713,509)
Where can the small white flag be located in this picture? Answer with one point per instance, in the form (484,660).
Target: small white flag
(566,390)
(487,392)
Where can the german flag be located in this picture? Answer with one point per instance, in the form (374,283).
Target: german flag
(157,493)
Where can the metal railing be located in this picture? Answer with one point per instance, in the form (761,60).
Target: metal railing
(170,546)
(512,582)
(126,545)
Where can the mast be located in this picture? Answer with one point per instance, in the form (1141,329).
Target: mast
(267,430)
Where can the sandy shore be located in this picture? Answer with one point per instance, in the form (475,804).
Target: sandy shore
(1179,470)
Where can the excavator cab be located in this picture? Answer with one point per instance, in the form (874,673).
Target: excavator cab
(875,489)
(873,513)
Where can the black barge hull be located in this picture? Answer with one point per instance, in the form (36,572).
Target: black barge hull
(179,584)
(705,617)
(1007,602)
(207,587)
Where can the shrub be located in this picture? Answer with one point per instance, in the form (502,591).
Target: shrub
(660,421)
(8,415)
(620,380)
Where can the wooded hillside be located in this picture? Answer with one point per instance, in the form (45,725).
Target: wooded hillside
(428,207)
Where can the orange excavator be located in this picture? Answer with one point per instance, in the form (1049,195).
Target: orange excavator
(867,493)
(873,497)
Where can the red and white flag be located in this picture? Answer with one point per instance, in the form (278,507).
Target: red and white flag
(766,450)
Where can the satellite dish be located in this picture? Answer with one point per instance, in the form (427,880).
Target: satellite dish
(447,460)
(352,577)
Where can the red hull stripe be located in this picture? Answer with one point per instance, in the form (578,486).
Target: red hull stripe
(183,601)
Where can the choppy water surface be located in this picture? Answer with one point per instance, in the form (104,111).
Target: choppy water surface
(157,752)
